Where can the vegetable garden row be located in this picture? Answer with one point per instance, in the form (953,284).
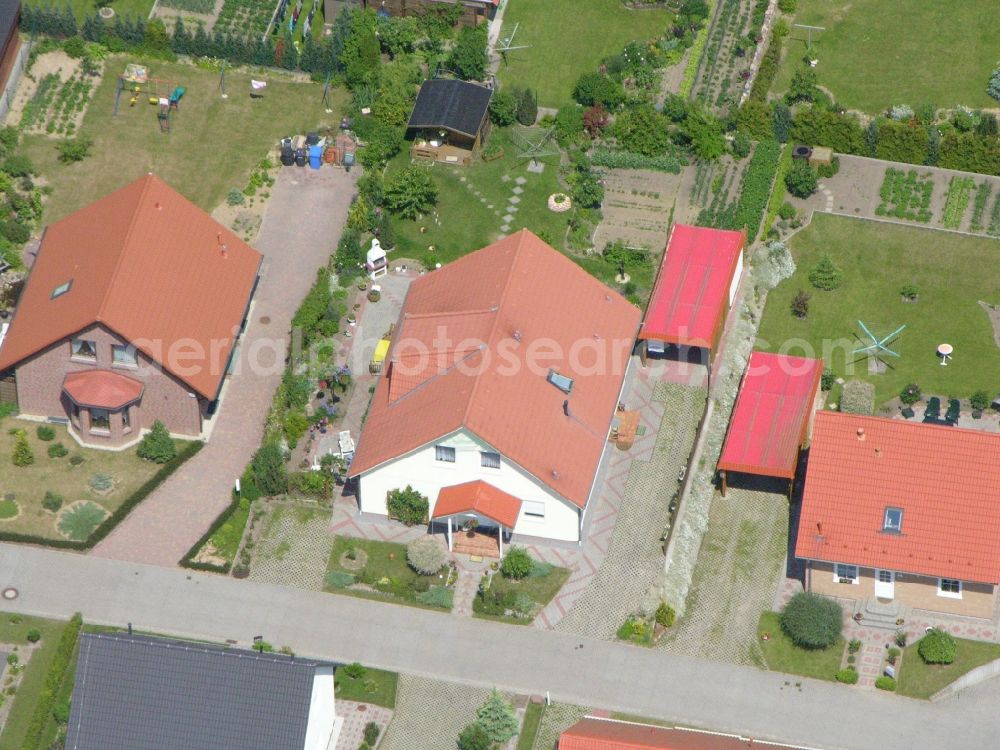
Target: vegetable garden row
(909,195)
(57,106)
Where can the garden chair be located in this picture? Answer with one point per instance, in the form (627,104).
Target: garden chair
(954,410)
(933,410)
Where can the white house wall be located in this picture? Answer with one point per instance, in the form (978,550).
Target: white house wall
(425,474)
(737,275)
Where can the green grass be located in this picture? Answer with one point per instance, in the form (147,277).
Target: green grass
(79,522)
(529,727)
(920,680)
(212,146)
(540,588)
(83,9)
(226,540)
(8,509)
(385,572)
(375,686)
(14,629)
(567,38)
(951,272)
(782,655)
(877,53)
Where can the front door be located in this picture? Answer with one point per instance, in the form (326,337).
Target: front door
(885,584)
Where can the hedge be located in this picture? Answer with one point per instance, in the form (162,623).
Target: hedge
(53,681)
(756,187)
(188,560)
(621,159)
(778,191)
(109,523)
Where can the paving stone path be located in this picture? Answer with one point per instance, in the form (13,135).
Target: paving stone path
(294,549)
(356,716)
(635,555)
(504,213)
(466,588)
(740,566)
(430,714)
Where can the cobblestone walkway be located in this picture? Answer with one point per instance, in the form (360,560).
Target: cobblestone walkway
(294,548)
(356,716)
(556,719)
(430,714)
(634,556)
(465,591)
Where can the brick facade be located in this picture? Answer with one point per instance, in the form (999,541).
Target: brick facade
(165,398)
(919,592)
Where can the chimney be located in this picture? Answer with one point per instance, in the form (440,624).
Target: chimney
(159,206)
(517,335)
(861,434)
(566,408)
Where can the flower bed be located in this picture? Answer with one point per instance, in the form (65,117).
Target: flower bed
(560,202)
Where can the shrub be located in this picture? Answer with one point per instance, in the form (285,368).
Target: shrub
(503,108)
(849,676)
(800,304)
(76,459)
(825,274)
(740,145)
(854,646)
(812,621)
(892,654)
(858,398)
(75,47)
(665,615)
(425,555)
(18,165)
(594,88)
(235,197)
(157,445)
(407,505)
(527,107)
(354,670)
(474,737)
(34,635)
(801,180)
(826,171)
(885,683)
(74,149)
(497,718)
(517,563)
(61,712)
(52,501)
(411,192)
(910,394)
(827,379)
(269,473)
(57,450)
(909,291)
(45,432)
(436,596)
(338,579)
(937,647)
(372,731)
(980,401)
(993,87)
(21,453)
(901,638)
(787,211)
(54,677)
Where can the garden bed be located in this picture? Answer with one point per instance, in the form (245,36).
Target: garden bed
(920,680)
(375,686)
(906,195)
(506,594)
(781,655)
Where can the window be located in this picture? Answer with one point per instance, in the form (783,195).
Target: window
(885,576)
(444,453)
(893,521)
(84,349)
(561,382)
(845,573)
(60,290)
(534,509)
(123,355)
(950,588)
(100,419)
(126,420)
(489,460)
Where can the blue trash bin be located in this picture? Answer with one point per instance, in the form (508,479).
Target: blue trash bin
(315,157)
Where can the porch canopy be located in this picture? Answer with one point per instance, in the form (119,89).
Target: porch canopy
(771,416)
(478,498)
(102,389)
(694,287)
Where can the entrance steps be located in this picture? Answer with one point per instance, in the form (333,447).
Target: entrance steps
(881,614)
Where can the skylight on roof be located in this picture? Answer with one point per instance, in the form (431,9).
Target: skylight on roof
(893,520)
(60,290)
(561,382)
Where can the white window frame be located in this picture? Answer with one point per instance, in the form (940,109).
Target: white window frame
(84,357)
(444,450)
(855,579)
(489,459)
(886,526)
(127,349)
(949,594)
(533,508)
(60,290)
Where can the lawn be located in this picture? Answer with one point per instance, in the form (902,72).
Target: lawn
(951,273)
(212,145)
(920,680)
(567,38)
(877,53)
(82,508)
(374,686)
(539,588)
(381,568)
(530,725)
(781,655)
(13,630)
(82,9)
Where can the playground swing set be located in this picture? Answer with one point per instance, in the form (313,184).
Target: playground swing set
(137,83)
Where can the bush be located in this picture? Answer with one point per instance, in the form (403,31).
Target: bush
(407,506)
(993,87)
(826,171)
(474,737)
(372,731)
(801,180)
(787,211)
(937,647)
(54,677)
(980,401)
(740,145)
(854,646)
(235,197)
(354,670)
(497,718)
(825,275)
(910,394)
(75,47)
(21,453)
(425,555)
(527,107)
(885,683)
(411,192)
(594,88)
(57,450)
(34,635)
(812,621)
(101,482)
(18,165)
(503,108)
(858,398)
(269,473)
(827,379)
(800,304)
(848,676)
(157,445)
(517,563)
(665,615)
(61,712)
(909,291)
(76,459)
(74,149)
(52,501)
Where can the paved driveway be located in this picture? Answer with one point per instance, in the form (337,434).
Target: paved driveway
(576,669)
(301,228)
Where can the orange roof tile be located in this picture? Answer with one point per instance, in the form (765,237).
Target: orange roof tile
(460,359)
(945,479)
(152,267)
(481,497)
(608,734)
(103,389)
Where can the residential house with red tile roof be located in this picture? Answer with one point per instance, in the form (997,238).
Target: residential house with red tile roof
(503,378)
(903,512)
(130,314)
(595,733)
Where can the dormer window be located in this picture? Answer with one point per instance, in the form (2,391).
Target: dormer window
(893,521)
(60,290)
(561,382)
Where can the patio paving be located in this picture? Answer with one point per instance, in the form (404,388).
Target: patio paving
(356,716)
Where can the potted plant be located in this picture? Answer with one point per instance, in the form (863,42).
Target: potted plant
(470,526)
(979,401)
(362,285)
